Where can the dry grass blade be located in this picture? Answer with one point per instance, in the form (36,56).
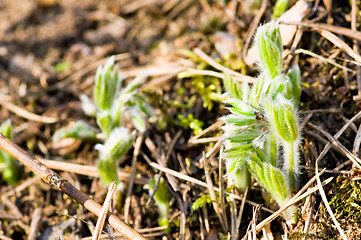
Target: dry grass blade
(218,66)
(103,213)
(321,26)
(334,141)
(200,183)
(88,68)
(21,112)
(133,172)
(216,125)
(251,30)
(51,177)
(253,231)
(91,171)
(34,229)
(221,188)
(341,44)
(325,201)
(172,181)
(213,194)
(304,51)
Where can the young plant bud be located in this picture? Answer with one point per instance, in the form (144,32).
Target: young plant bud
(233,88)
(137,119)
(107,82)
(80,130)
(117,144)
(88,106)
(105,122)
(282,117)
(279,8)
(294,78)
(161,197)
(269,44)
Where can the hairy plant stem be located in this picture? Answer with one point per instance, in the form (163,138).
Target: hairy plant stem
(273,150)
(290,162)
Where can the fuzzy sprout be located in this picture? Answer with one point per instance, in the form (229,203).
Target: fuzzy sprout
(161,197)
(113,107)
(10,171)
(263,123)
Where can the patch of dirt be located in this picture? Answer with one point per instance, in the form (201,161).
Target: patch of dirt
(49,53)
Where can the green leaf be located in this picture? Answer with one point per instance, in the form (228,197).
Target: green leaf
(234,88)
(161,197)
(269,44)
(137,118)
(271,179)
(282,117)
(81,130)
(132,86)
(107,82)
(294,78)
(240,107)
(256,93)
(241,177)
(62,67)
(10,173)
(105,122)
(280,7)
(88,106)
(117,144)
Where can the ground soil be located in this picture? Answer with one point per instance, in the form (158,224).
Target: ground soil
(49,53)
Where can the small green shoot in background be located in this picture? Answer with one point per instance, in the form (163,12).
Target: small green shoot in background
(113,107)
(161,198)
(262,134)
(279,8)
(10,169)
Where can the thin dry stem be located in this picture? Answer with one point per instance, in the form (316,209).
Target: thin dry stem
(356,161)
(34,229)
(200,183)
(133,172)
(325,201)
(213,194)
(103,213)
(21,112)
(51,177)
(218,66)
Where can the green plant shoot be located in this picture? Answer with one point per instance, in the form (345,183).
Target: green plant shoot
(262,134)
(279,8)
(10,171)
(113,106)
(161,199)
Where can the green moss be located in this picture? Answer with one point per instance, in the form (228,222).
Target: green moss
(346,201)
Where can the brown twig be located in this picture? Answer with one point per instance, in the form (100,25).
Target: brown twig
(321,26)
(51,177)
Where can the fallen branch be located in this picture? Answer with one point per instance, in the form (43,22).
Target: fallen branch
(51,177)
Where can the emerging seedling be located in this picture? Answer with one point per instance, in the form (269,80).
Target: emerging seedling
(161,198)
(10,171)
(262,133)
(112,107)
